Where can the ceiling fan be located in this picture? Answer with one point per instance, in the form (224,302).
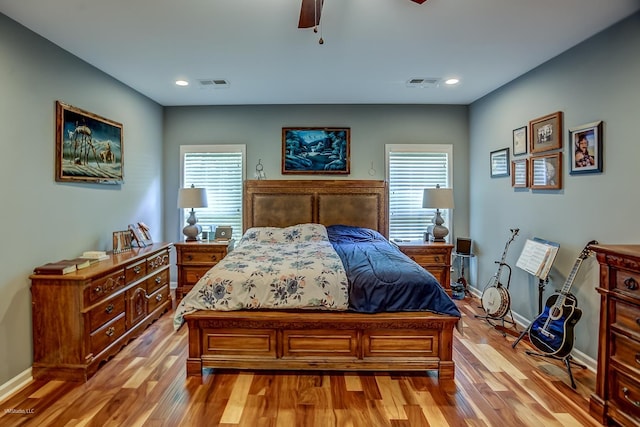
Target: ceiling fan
(310,12)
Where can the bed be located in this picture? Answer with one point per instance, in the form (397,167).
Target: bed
(332,336)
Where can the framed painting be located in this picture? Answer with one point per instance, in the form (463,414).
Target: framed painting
(520,173)
(586,148)
(316,150)
(499,162)
(519,141)
(545,133)
(89,148)
(545,172)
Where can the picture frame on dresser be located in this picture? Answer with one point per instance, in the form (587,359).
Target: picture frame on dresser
(545,133)
(89,147)
(315,150)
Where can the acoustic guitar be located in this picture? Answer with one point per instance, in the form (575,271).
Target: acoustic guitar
(552,331)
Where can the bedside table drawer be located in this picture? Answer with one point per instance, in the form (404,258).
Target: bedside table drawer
(429,259)
(202,257)
(193,274)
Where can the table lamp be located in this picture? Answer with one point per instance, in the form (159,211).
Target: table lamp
(190,198)
(439,198)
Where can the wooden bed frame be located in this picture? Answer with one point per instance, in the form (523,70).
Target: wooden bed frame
(314,340)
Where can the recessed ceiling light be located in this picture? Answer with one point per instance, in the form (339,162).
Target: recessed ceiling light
(452,81)
(182,83)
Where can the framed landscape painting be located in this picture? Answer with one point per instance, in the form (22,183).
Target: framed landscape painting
(316,150)
(89,148)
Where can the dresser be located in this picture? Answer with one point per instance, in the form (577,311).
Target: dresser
(433,257)
(84,318)
(617,395)
(194,259)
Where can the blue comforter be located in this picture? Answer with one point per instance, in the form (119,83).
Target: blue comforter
(381,278)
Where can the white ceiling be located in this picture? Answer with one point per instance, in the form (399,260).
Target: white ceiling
(371,47)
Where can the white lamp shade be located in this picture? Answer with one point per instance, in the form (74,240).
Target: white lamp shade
(192,198)
(438,198)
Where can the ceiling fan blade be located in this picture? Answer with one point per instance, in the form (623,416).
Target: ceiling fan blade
(419,1)
(308,17)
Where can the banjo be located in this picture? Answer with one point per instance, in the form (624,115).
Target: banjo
(495,297)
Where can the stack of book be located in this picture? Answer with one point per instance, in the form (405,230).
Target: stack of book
(64,266)
(95,256)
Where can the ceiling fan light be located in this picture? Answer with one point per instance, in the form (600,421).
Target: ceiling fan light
(452,81)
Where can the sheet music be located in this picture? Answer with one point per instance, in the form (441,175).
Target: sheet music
(537,257)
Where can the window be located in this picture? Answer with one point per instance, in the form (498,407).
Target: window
(219,169)
(410,169)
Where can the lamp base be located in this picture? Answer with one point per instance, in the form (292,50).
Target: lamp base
(192,231)
(439,231)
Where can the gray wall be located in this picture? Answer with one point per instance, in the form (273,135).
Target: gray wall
(596,80)
(43,220)
(372,126)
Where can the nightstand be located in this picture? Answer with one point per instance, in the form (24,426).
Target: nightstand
(433,257)
(194,259)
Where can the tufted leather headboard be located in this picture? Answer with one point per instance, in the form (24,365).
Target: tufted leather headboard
(280,203)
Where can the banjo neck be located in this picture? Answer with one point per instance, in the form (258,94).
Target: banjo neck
(501,263)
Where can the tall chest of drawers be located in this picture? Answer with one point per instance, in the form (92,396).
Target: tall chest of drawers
(617,395)
(84,318)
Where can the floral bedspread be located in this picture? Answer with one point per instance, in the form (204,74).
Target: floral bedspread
(284,268)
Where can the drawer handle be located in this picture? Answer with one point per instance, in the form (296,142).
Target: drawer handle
(631,283)
(214,257)
(109,309)
(98,290)
(437,258)
(158,279)
(137,269)
(159,297)
(635,403)
(110,331)
(189,258)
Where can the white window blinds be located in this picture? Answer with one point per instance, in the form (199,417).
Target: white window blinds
(219,169)
(411,169)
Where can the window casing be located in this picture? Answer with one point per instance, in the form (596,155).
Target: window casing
(410,169)
(219,169)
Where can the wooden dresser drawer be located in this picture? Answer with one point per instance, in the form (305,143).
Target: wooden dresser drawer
(109,333)
(135,271)
(158,298)
(106,311)
(625,392)
(158,261)
(194,256)
(157,281)
(627,317)
(106,285)
(628,282)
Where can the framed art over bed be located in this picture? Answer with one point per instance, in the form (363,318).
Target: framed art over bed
(314,339)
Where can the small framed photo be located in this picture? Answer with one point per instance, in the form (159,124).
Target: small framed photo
(136,235)
(585,149)
(520,173)
(545,133)
(545,172)
(121,241)
(520,141)
(499,161)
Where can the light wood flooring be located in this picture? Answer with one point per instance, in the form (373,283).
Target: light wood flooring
(145,385)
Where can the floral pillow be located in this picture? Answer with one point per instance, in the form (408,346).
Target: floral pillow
(291,234)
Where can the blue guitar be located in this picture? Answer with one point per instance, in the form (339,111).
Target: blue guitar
(552,331)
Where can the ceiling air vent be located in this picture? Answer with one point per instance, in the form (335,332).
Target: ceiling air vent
(423,82)
(214,83)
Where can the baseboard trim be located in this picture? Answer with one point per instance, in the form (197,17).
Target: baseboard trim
(15,384)
(523,323)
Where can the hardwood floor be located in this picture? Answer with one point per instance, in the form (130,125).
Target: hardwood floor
(145,385)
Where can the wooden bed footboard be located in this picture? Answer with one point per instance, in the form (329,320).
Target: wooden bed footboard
(345,341)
